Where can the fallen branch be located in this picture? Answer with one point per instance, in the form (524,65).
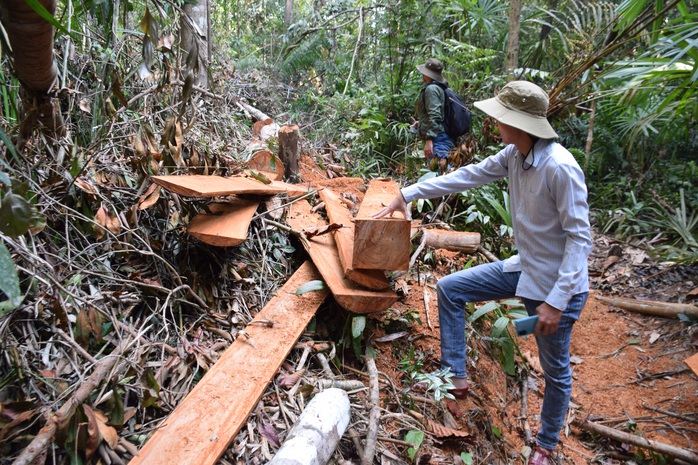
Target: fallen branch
(524,409)
(627,438)
(672,414)
(374,415)
(650,307)
(45,437)
(488,255)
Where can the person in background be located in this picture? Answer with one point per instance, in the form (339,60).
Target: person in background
(430,114)
(550,217)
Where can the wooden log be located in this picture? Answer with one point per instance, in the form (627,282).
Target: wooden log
(323,251)
(314,438)
(255,113)
(455,241)
(380,244)
(650,307)
(226,225)
(202,427)
(289,150)
(627,438)
(344,237)
(197,185)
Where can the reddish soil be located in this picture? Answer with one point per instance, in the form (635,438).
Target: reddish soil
(625,364)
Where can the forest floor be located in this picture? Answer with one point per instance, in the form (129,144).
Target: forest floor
(629,370)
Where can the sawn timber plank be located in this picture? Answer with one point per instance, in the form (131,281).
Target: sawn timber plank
(202,427)
(323,251)
(344,237)
(692,363)
(384,243)
(226,225)
(198,185)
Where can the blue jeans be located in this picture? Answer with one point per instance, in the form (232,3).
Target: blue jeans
(490,282)
(442,145)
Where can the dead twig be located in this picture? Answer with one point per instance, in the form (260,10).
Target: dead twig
(671,414)
(374,415)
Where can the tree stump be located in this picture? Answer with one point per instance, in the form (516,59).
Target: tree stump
(289,150)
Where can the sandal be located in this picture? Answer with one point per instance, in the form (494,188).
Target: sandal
(541,456)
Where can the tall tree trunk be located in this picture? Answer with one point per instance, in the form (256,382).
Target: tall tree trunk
(512,61)
(288,13)
(31,39)
(196,41)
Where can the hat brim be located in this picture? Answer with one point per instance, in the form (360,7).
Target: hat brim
(427,72)
(538,126)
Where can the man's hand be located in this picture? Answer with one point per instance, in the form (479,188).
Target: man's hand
(429,148)
(398,204)
(548,319)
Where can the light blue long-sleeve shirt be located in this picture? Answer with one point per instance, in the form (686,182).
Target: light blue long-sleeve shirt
(549,212)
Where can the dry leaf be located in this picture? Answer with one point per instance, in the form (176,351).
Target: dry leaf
(441,431)
(267,430)
(533,362)
(108,433)
(106,220)
(150,198)
(320,230)
(288,380)
(93,438)
(84,105)
(101,220)
(85,186)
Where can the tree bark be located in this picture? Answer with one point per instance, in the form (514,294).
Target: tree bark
(190,43)
(288,13)
(289,150)
(455,241)
(590,136)
(31,39)
(512,61)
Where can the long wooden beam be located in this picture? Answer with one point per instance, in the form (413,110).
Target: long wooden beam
(202,427)
(380,244)
(198,185)
(344,237)
(323,251)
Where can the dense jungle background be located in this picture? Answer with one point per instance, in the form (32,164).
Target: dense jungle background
(95,260)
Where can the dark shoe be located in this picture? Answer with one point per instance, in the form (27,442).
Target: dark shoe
(460,393)
(541,457)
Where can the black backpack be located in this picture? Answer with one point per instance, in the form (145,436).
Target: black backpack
(456,115)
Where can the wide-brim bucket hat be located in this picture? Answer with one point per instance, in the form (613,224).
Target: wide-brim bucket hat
(523,105)
(432,68)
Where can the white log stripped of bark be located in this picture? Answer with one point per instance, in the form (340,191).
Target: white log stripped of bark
(314,438)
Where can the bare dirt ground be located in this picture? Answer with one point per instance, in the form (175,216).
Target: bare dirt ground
(629,368)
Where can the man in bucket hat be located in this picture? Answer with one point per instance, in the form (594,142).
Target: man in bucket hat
(550,217)
(430,114)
